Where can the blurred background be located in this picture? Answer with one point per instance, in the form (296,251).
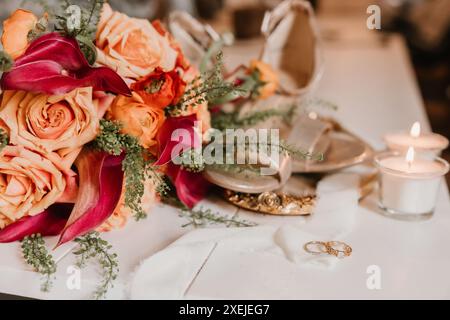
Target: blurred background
(424,24)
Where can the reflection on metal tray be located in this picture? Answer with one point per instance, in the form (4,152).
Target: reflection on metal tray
(345,150)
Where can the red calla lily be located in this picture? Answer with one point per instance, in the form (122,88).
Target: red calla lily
(48,223)
(191,187)
(167,141)
(54,64)
(101,179)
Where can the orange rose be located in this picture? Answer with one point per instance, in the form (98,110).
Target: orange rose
(267,76)
(160,89)
(49,124)
(15,32)
(132,47)
(122,213)
(29,184)
(138,119)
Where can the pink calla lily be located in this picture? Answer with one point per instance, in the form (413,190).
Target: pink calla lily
(167,141)
(101,179)
(54,64)
(48,223)
(191,187)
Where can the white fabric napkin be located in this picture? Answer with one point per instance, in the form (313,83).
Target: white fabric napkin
(170,273)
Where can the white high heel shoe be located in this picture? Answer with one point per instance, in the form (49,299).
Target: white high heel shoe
(194,37)
(293,46)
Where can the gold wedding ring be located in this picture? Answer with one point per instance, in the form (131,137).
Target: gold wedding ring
(316,247)
(334,248)
(339,249)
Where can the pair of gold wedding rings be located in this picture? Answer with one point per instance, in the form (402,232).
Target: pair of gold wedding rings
(334,248)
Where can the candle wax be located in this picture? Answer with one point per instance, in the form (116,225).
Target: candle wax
(425,141)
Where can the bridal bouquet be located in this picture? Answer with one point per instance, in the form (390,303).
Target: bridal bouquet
(90,102)
(86,125)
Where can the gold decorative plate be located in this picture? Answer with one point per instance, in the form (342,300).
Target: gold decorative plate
(273,203)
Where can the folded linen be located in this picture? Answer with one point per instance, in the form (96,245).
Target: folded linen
(171,273)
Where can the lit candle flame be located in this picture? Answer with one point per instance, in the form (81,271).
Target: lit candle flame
(415,130)
(410,156)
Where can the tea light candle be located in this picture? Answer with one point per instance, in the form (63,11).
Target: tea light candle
(408,187)
(421,142)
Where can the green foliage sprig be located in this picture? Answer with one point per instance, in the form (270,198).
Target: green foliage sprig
(283,148)
(199,218)
(4,139)
(83,30)
(230,165)
(170,197)
(36,255)
(63,20)
(39,29)
(296,153)
(192,160)
(92,246)
(233,120)
(209,87)
(90,12)
(6,62)
(110,139)
(135,166)
(318,103)
(230,149)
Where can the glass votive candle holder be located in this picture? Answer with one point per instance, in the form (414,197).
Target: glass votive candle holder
(408,189)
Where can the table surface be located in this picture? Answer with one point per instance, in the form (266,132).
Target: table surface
(373,84)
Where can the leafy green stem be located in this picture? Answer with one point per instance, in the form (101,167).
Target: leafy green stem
(136,167)
(92,246)
(232,120)
(6,62)
(204,217)
(4,139)
(36,255)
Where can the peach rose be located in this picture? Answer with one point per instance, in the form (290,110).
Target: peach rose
(4,222)
(122,213)
(48,124)
(132,47)
(138,119)
(29,184)
(181,62)
(267,76)
(15,32)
